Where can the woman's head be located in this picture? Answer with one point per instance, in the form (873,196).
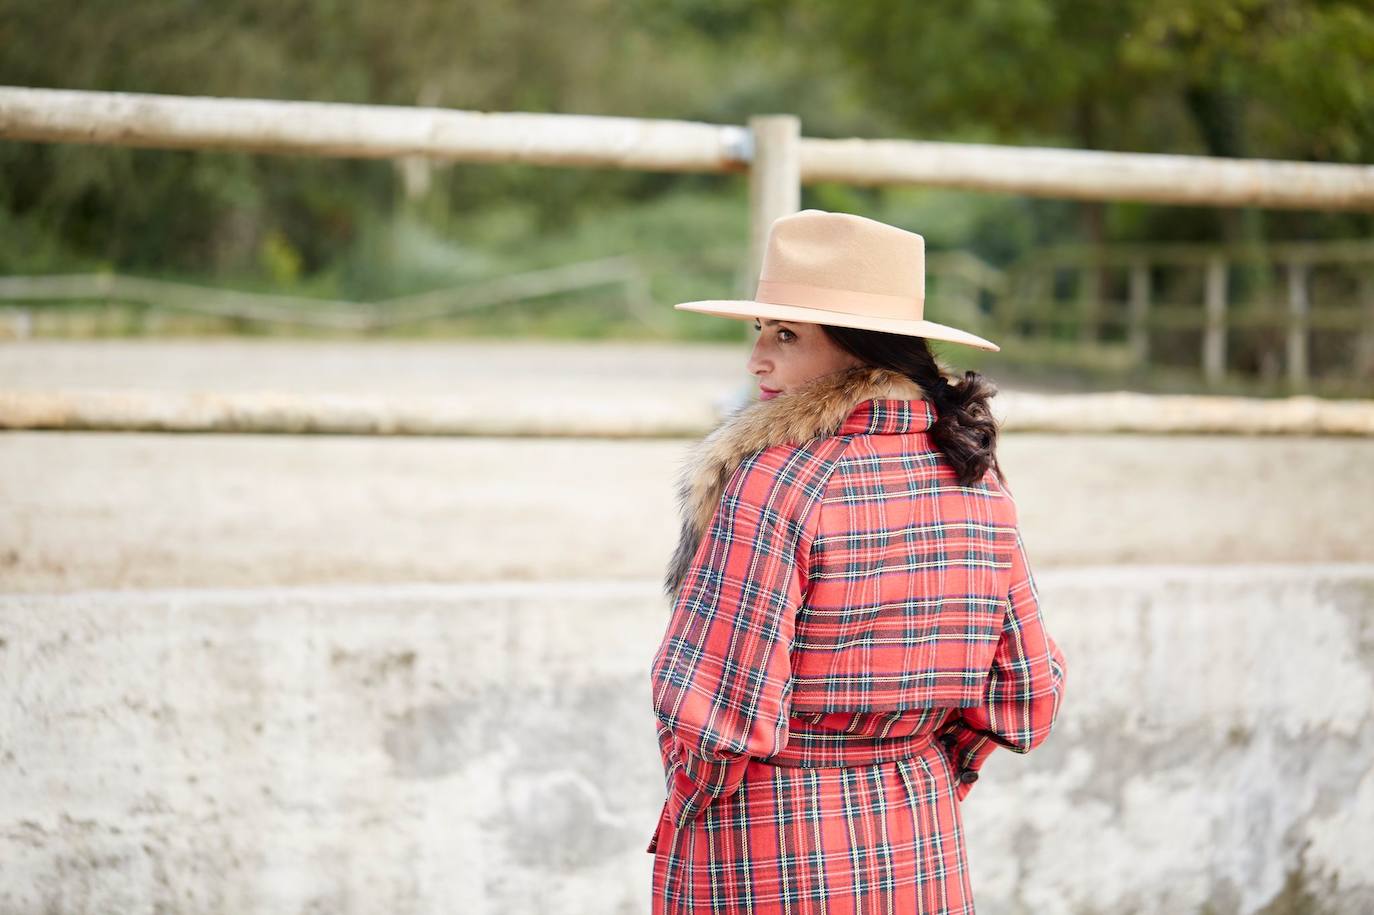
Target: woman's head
(787,354)
(790,353)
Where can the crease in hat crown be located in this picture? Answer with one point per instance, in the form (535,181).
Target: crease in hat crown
(841,268)
(813,254)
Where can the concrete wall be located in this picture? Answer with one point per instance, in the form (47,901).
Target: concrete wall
(475,748)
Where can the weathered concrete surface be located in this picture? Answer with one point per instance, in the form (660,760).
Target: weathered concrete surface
(98,510)
(482,748)
(1216,754)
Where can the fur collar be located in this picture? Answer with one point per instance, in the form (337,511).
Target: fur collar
(815,409)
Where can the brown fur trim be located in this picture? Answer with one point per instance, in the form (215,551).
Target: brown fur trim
(813,410)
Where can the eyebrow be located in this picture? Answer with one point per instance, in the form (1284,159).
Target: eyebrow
(771,321)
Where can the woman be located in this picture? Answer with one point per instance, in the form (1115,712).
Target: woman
(854,624)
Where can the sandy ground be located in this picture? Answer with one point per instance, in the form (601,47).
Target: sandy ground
(96,510)
(120,510)
(510,368)
(503,368)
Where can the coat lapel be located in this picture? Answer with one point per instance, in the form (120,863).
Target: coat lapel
(815,409)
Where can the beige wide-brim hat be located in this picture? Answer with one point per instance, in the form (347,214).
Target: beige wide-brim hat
(838,268)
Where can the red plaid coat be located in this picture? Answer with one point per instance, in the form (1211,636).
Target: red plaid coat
(855,633)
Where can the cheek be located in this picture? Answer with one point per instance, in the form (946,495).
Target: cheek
(792,362)
(815,358)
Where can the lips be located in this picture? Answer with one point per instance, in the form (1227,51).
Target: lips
(767,393)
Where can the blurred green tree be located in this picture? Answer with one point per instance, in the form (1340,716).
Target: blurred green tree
(1289,79)
(1275,78)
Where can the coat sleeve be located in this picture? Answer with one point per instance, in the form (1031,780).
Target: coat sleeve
(1024,685)
(722,676)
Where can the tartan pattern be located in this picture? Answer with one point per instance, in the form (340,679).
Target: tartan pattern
(841,840)
(856,633)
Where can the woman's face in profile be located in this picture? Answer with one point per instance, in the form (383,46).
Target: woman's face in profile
(790,353)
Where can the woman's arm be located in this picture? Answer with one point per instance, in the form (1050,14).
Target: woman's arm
(722,676)
(1024,687)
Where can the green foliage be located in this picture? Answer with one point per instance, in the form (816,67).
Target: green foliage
(1272,78)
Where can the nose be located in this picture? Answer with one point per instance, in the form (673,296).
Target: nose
(758,364)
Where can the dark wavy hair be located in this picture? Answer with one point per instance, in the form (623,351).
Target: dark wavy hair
(965,430)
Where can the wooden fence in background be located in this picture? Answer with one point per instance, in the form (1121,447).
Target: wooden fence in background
(778,159)
(1261,312)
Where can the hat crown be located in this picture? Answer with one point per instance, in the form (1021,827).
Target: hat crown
(846,252)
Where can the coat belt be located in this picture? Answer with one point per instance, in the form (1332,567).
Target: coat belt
(816,749)
(830,749)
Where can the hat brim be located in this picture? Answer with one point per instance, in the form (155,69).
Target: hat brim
(747,310)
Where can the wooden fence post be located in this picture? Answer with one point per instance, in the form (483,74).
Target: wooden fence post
(1214,332)
(1089,298)
(1139,329)
(1297,324)
(1364,346)
(774,183)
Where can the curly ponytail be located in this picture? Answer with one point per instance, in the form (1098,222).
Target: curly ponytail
(965,430)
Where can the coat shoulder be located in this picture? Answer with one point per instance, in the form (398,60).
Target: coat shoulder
(805,466)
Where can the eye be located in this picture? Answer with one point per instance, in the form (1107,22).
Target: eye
(784,335)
